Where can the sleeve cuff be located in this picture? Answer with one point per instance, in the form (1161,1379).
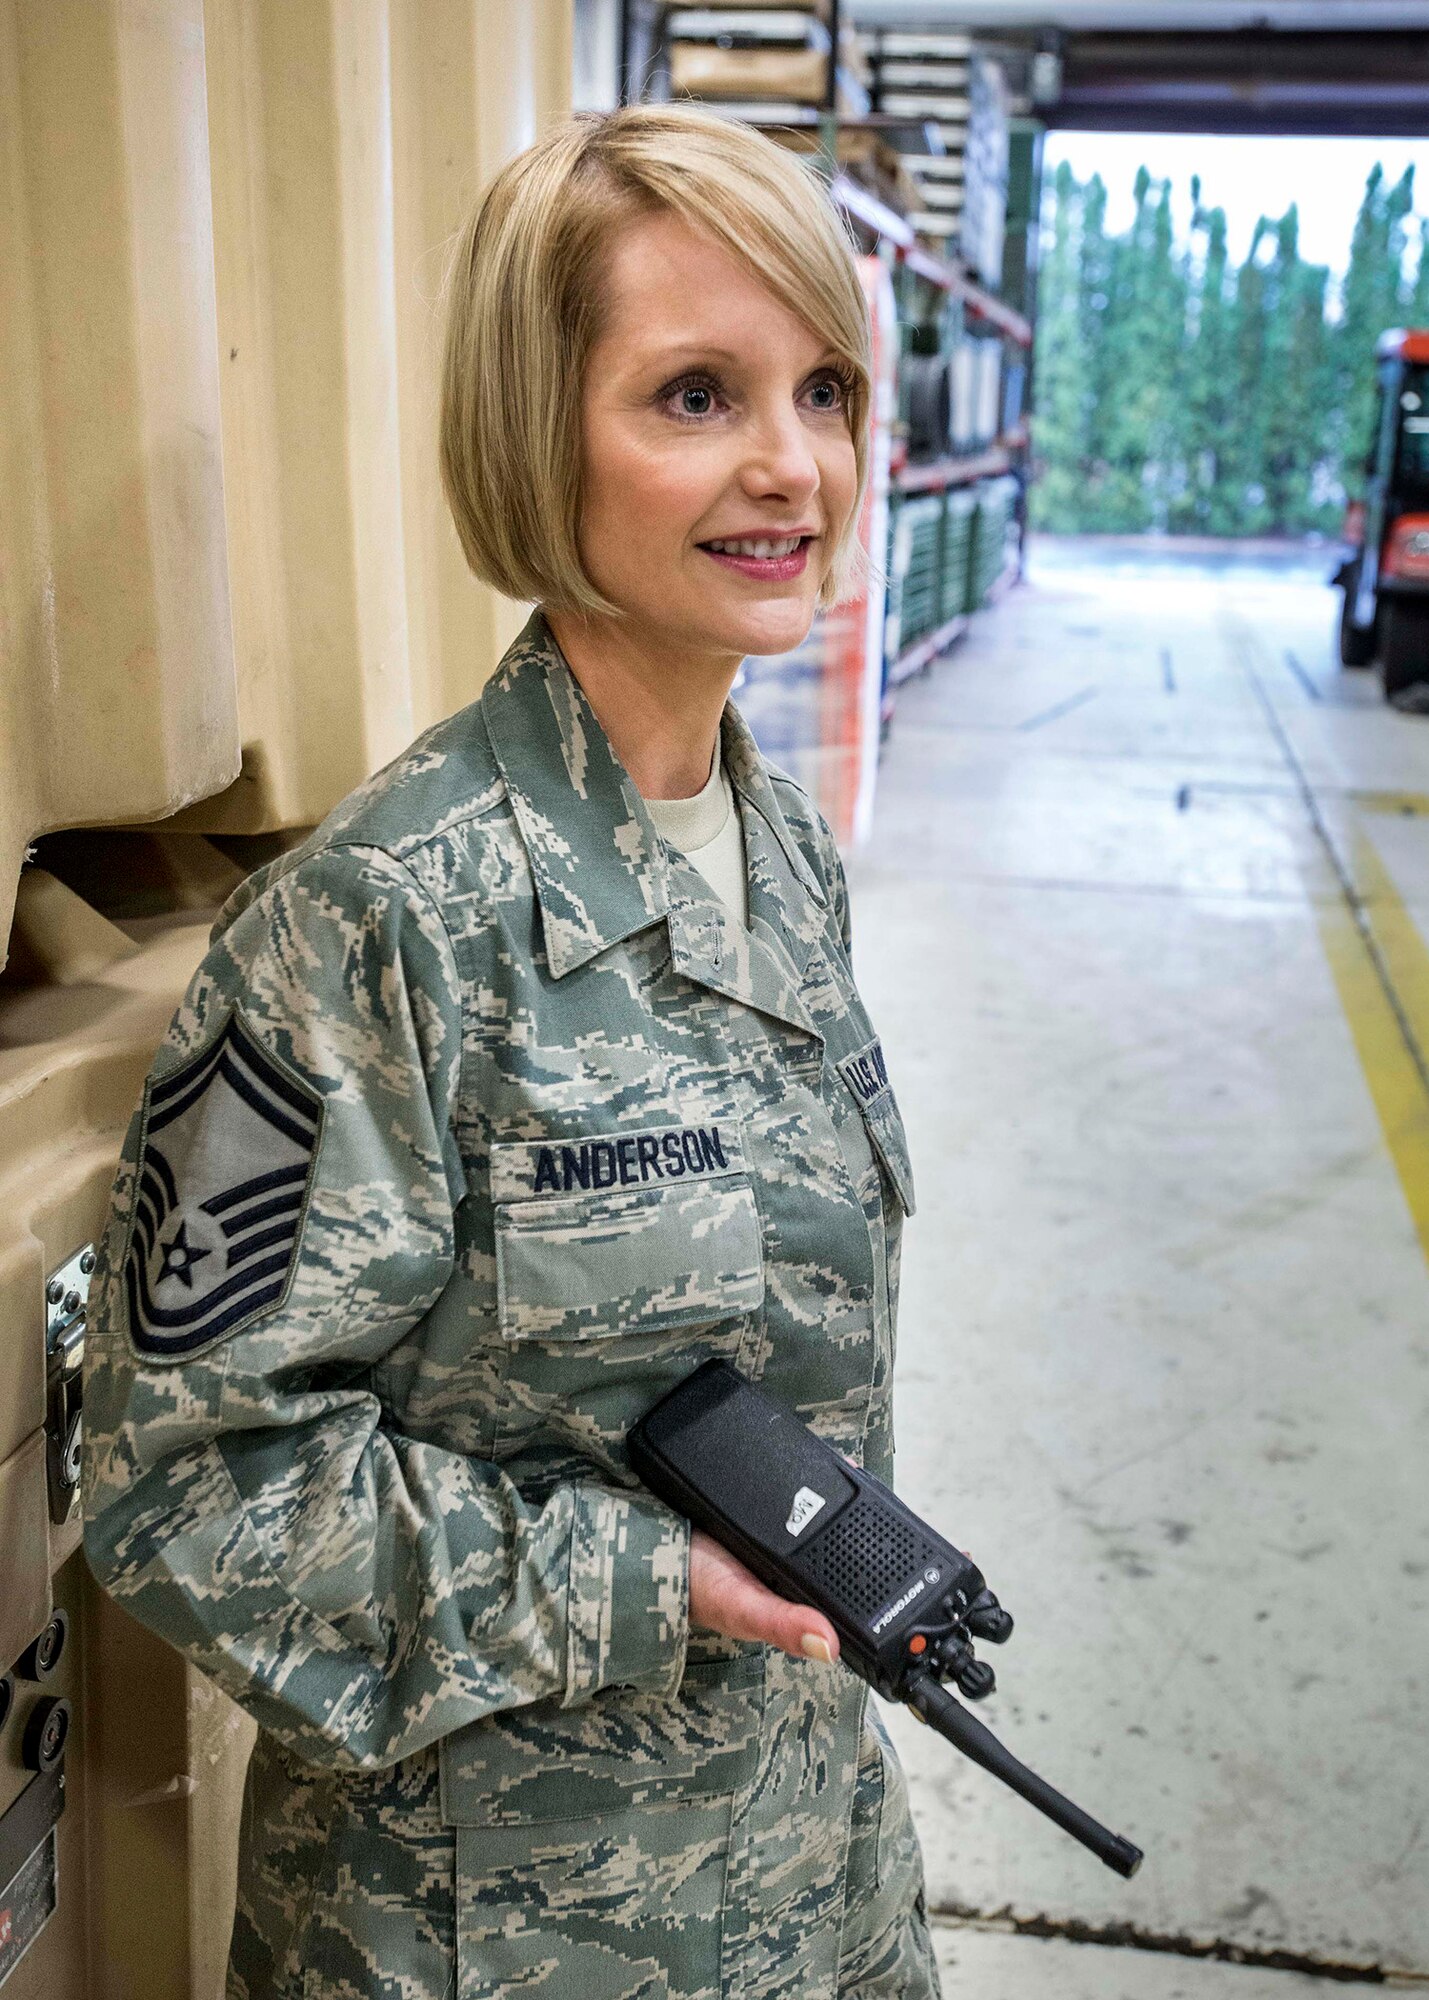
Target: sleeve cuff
(628,1617)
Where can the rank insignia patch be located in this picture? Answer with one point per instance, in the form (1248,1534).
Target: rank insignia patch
(230,1140)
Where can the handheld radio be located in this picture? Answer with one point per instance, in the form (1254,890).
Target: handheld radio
(906,1604)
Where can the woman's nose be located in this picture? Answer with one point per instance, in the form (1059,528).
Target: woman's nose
(779,456)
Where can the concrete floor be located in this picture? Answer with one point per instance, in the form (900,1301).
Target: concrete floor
(997,1966)
(1142,926)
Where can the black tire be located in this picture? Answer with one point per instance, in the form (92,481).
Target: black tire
(1356,642)
(1403,644)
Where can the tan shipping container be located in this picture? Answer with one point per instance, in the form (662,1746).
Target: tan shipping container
(228,591)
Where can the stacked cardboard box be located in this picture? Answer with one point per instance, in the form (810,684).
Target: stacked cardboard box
(764,63)
(984,217)
(927,76)
(944,78)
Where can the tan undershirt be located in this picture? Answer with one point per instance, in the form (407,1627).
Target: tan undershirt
(708,832)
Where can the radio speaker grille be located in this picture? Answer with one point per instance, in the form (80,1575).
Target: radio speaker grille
(865,1557)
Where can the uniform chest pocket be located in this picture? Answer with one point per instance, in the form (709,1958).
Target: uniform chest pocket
(623,1235)
(866,1075)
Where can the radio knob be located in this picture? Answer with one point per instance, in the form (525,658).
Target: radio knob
(976,1680)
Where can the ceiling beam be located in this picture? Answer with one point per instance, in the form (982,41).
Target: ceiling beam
(1248,81)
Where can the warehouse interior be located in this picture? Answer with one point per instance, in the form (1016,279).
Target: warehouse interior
(1140,909)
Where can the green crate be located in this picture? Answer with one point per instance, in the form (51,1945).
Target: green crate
(995,500)
(914,535)
(957,549)
(922,593)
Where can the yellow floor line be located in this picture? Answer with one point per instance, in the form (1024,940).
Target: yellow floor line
(1383,977)
(1403,805)
(1393,1076)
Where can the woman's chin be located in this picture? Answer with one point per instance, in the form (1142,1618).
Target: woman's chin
(755,625)
(770,628)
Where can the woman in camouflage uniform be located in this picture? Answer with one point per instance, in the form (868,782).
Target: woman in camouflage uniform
(489,1115)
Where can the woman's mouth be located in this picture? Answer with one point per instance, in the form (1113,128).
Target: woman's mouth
(770,559)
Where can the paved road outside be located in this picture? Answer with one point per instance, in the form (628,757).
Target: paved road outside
(1142,924)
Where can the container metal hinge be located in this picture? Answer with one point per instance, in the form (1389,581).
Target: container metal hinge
(66,1305)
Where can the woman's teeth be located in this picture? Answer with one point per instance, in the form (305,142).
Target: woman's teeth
(785,546)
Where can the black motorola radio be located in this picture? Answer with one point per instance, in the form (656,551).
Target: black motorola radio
(906,1604)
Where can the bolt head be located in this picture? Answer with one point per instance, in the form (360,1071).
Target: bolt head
(54,1291)
(86,1262)
(73,1302)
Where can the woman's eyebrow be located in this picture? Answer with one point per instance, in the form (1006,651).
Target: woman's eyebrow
(669,355)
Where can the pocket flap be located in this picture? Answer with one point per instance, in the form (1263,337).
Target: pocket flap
(528,1765)
(580,1267)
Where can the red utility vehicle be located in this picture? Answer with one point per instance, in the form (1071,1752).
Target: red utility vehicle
(1385,576)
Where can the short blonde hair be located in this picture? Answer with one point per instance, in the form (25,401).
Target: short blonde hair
(524,305)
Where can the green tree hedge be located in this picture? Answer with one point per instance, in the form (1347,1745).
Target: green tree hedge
(1179,394)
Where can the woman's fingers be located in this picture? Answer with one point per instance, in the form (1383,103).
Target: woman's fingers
(725,1597)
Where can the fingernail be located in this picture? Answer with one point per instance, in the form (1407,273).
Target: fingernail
(817,1648)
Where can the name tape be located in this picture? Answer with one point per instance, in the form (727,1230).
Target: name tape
(621,1160)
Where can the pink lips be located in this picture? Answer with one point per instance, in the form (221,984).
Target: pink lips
(766,569)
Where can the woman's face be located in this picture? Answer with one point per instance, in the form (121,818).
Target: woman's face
(710,414)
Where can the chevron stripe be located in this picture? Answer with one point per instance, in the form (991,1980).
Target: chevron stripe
(259,1216)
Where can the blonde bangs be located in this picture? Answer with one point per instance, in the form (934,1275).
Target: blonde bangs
(523,303)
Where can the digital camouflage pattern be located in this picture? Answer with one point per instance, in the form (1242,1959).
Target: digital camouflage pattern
(552,1128)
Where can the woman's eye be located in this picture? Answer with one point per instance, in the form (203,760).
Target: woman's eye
(690,399)
(831,386)
(695,399)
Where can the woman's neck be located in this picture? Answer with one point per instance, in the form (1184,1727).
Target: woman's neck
(659,706)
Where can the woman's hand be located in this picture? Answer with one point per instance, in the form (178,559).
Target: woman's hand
(725,1597)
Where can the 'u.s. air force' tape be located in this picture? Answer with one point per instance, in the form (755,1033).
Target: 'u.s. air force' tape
(230,1140)
(615,1160)
(865,1072)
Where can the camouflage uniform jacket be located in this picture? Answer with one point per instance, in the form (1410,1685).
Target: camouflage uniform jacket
(480,1125)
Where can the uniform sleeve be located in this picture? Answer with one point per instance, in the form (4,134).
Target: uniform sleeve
(281,1219)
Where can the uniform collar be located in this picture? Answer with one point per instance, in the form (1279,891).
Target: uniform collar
(596,859)
(601,870)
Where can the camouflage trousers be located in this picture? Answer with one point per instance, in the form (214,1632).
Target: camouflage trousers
(348,1891)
